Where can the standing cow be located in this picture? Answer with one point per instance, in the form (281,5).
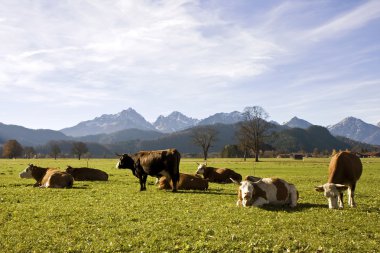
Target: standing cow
(345,170)
(153,163)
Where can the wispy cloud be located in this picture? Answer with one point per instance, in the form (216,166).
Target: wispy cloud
(194,56)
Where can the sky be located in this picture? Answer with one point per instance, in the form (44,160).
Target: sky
(67,61)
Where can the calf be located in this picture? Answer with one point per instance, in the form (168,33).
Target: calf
(345,170)
(218,175)
(87,174)
(273,191)
(186,182)
(48,177)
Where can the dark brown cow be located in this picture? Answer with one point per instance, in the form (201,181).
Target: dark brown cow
(87,174)
(186,182)
(48,177)
(218,175)
(345,170)
(153,163)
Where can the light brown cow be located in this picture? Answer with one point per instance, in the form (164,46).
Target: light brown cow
(48,177)
(345,170)
(186,182)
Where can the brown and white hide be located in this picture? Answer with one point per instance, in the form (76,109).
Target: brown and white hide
(48,177)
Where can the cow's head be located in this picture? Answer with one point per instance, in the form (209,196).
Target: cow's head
(27,173)
(331,192)
(201,168)
(125,162)
(245,193)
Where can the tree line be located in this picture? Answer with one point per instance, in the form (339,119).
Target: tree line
(13,149)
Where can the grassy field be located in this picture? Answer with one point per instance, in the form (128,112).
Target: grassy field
(114,216)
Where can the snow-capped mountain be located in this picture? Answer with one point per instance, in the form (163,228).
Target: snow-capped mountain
(174,122)
(223,118)
(356,129)
(298,123)
(109,123)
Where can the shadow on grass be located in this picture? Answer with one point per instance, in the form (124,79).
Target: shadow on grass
(299,208)
(206,192)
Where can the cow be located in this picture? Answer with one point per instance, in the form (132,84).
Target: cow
(48,177)
(217,175)
(153,163)
(87,174)
(345,170)
(186,182)
(272,191)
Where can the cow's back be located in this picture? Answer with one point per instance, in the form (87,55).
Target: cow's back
(186,182)
(344,168)
(87,174)
(57,179)
(153,161)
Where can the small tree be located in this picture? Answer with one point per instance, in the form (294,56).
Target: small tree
(54,149)
(253,129)
(29,152)
(12,149)
(204,137)
(79,148)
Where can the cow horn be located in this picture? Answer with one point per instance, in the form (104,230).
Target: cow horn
(118,154)
(235,182)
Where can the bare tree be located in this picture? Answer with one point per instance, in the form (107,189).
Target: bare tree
(253,129)
(54,149)
(29,152)
(79,148)
(204,137)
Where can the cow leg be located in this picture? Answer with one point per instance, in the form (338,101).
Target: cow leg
(143,182)
(340,200)
(351,193)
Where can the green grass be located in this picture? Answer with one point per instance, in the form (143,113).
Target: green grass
(114,216)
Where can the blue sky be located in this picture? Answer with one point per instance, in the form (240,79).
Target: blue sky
(62,62)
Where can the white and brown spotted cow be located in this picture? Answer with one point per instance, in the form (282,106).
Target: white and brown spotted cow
(272,191)
(345,170)
(48,177)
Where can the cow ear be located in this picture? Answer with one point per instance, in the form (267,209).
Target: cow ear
(319,188)
(341,187)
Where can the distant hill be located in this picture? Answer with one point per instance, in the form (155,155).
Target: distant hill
(122,136)
(174,122)
(356,129)
(109,123)
(223,118)
(296,139)
(29,137)
(298,123)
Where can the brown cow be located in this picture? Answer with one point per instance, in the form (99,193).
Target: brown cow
(87,174)
(345,170)
(218,175)
(48,177)
(186,182)
(153,163)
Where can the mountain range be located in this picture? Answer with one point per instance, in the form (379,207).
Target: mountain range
(128,130)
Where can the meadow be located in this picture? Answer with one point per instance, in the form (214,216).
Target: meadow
(115,216)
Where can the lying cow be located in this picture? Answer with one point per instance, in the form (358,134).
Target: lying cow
(272,191)
(87,174)
(218,175)
(48,177)
(186,182)
(345,170)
